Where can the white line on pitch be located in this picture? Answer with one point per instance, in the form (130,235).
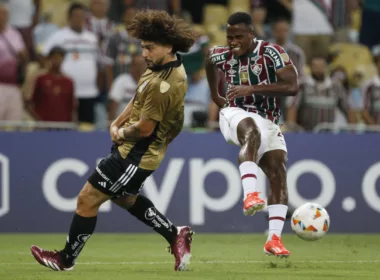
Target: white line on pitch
(204,262)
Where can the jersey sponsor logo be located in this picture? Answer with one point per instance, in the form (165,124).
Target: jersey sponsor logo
(164,87)
(256,69)
(243,77)
(150,213)
(244,68)
(217,58)
(274,56)
(143,85)
(285,57)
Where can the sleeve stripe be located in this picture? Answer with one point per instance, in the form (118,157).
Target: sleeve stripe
(215,54)
(278,53)
(268,56)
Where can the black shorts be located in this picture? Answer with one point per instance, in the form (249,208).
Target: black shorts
(117,177)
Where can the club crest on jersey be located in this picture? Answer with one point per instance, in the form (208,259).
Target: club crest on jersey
(164,87)
(256,69)
(232,62)
(243,77)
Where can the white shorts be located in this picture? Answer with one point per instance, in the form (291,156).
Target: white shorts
(271,136)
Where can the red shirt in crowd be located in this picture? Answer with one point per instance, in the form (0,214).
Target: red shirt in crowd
(54,98)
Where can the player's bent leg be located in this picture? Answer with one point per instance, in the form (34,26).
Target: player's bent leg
(82,227)
(179,238)
(249,137)
(273,163)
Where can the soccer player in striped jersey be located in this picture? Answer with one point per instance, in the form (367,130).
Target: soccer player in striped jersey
(257,74)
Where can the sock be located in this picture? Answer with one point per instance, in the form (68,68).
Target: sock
(277,216)
(80,231)
(144,210)
(248,172)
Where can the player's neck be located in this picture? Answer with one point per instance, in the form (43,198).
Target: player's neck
(169,58)
(252,47)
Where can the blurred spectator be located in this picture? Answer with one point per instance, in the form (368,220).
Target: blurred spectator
(355,20)
(80,63)
(259,13)
(124,87)
(98,23)
(53,97)
(369,34)
(278,9)
(311,27)
(24,15)
(318,99)
(12,58)
(43,30)
(370,91)
(121,48)
(281,33)
(341,18)
(198,94)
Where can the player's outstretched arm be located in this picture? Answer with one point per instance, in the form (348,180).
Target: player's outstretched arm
(286,85)
(212,78)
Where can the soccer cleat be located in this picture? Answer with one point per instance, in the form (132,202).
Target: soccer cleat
(181,248)
(50,259)
(253,203)
(275,247)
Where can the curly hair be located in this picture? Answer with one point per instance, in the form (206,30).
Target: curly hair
(159,27)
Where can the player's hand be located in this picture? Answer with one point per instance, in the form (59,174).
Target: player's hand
(114,131)
(238,91)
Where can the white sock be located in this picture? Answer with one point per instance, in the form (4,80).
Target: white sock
(248,172)
(277,216)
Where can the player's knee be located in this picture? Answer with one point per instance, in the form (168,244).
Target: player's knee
(87,203)
(251,136)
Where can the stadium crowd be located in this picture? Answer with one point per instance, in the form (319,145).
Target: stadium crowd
(80,66)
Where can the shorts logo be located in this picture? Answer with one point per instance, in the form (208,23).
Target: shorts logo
(150,214)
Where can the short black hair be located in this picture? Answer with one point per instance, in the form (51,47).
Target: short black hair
(281,19)
(240,17)
(75,6)
(57,50)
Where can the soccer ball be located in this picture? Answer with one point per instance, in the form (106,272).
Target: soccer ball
(310,221)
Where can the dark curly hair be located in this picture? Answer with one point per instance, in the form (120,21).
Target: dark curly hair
(161,28)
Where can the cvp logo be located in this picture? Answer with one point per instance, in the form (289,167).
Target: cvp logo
(4,185)
(150,214)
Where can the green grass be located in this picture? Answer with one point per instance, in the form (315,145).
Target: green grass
(215,256)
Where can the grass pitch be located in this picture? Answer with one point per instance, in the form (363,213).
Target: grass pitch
(215,256)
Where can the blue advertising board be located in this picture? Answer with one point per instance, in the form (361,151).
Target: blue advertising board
(198,182)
